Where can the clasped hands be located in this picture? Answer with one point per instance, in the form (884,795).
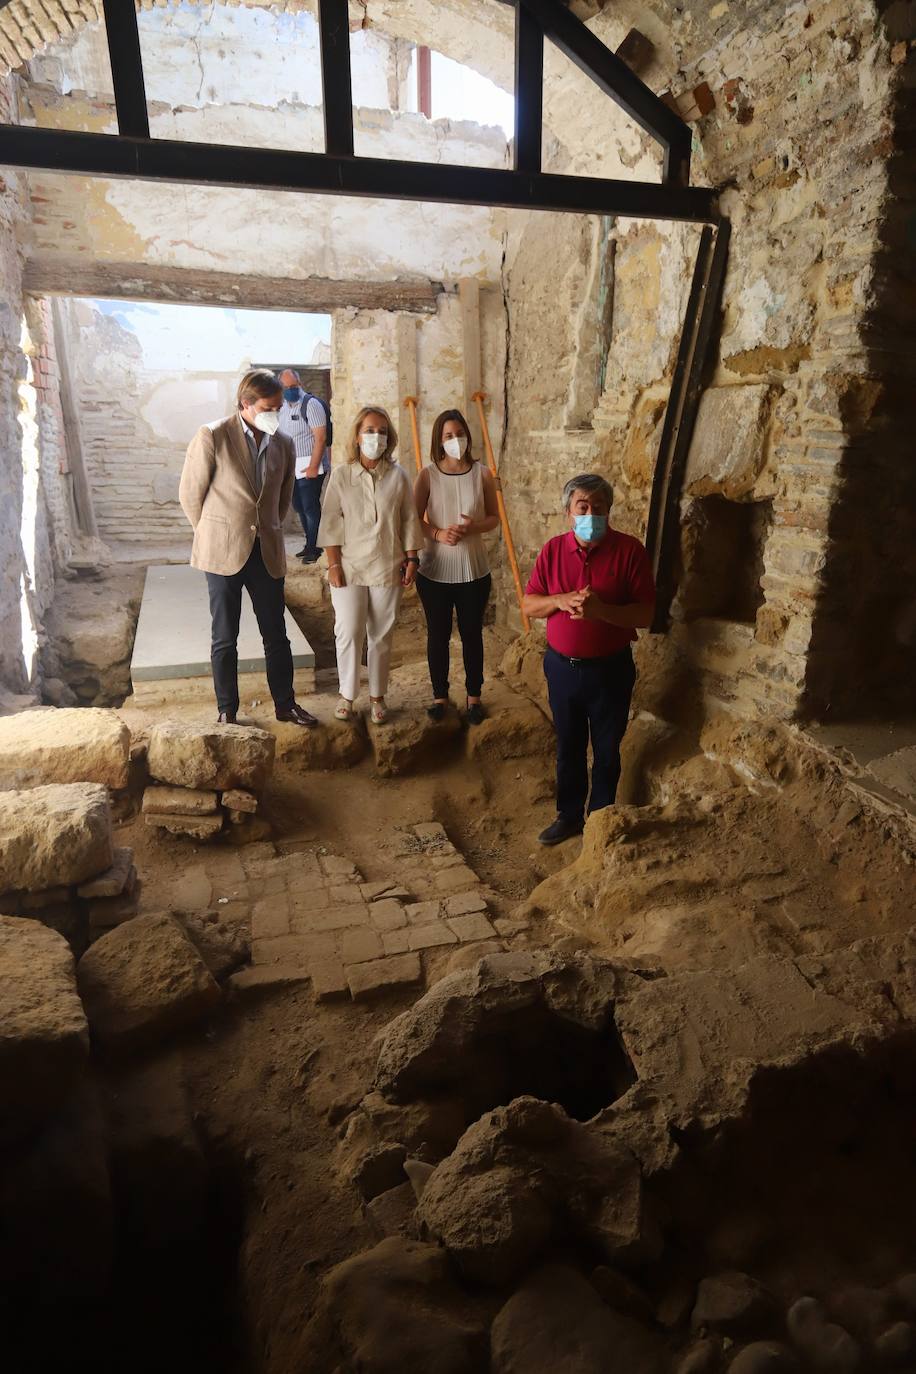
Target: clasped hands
(582,604)
(453,534)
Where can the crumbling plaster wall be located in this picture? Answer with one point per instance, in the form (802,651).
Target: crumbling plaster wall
(800,134)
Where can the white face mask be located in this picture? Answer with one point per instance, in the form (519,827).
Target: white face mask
(267,421)
(372,446)
(455,447)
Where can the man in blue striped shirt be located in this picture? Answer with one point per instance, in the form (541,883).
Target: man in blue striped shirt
(304,420)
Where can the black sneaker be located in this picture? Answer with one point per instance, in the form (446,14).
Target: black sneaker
(475,714)
(437,710)
(563,828)
(312,556)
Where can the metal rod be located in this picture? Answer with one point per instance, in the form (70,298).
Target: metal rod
(126,67)
(663,530)
(411,404)
(204,164)
(336,84)
(480,397)
(529,91)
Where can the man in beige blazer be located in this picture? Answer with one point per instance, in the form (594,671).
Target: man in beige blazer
(236,487)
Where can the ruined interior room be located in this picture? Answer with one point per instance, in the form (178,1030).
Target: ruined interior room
(312,1059)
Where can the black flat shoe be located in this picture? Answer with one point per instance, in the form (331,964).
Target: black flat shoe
(563,828)
(475,714)
(437,710)
(297,715)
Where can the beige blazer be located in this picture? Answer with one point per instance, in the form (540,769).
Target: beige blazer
(217,494)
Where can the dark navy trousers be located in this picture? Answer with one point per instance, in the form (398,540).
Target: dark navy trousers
(590,700)
(267,599)
(307,505)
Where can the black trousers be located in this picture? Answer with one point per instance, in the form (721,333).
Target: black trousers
(266,594)
(588,697)
(468,600)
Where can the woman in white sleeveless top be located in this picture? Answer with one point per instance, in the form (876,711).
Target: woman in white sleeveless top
(456,501)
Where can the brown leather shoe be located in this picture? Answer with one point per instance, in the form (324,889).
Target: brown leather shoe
(227,718)
(297,715)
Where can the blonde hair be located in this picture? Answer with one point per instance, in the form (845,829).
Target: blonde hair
(352,446)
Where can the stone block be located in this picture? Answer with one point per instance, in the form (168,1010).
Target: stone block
(728,448)
(430,830)
(329,978)
(395,941)
(513,732)
(384,975)
(54,836)
(179,801)
(44,1038)
(193,890)
(280,949)
(429,936)
(393,1213)
(63,746)
(508,928)
(464,904)
(263,977)
(360,945)
(214,756)
(344,894)
(236,799)
(335,918)
(387,915)
(459,879)
(421,913)
(196,827)
(222,946)
(335,744)
(270,917)
(472,927)
(411,743)
(143,981)
(39,901)
(107,912)
(114,880)
(339,869)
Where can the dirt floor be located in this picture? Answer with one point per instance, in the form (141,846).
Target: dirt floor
(744,843)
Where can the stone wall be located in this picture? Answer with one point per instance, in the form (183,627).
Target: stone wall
(798,417)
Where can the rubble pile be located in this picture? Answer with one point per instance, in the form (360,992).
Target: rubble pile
(205,776)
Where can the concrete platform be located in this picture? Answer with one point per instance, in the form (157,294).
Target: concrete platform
(173,632)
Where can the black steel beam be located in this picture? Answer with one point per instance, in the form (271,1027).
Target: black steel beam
(664,524)
(126,67)
(529,91)
(336,84)
(613,76)
(203,164)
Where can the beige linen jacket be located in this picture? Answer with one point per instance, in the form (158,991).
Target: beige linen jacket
(218,495)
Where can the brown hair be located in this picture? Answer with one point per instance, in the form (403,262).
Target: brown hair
(257,385)
(352,449)
(435,443)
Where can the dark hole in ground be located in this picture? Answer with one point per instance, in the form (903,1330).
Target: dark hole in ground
(536,1053)
(723,544)
(172,1301)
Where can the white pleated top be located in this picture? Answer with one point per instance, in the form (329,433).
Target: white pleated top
(452,495)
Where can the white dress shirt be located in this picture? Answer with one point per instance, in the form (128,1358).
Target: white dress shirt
(371,516)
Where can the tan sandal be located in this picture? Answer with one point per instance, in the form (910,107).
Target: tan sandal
(378,712)
(343,710)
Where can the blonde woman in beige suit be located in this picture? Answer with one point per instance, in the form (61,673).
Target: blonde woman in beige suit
(236,489)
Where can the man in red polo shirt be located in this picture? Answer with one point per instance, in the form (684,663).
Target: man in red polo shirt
(595,587)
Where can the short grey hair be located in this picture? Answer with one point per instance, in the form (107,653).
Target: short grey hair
(588,481)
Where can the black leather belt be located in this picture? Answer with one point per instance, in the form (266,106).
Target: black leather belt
(578,662)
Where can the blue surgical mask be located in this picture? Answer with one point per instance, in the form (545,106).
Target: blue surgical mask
(291,394)
(590,527)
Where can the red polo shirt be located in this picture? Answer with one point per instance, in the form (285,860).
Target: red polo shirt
(617,570)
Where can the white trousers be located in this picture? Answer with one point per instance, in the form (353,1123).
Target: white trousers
(358,612)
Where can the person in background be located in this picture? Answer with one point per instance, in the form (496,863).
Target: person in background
(370,533)
(235,489)
(456,501)
(306,420)
(595,587)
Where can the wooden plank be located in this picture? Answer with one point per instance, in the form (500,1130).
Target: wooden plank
(469,296)
(141,282)
(408,385)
